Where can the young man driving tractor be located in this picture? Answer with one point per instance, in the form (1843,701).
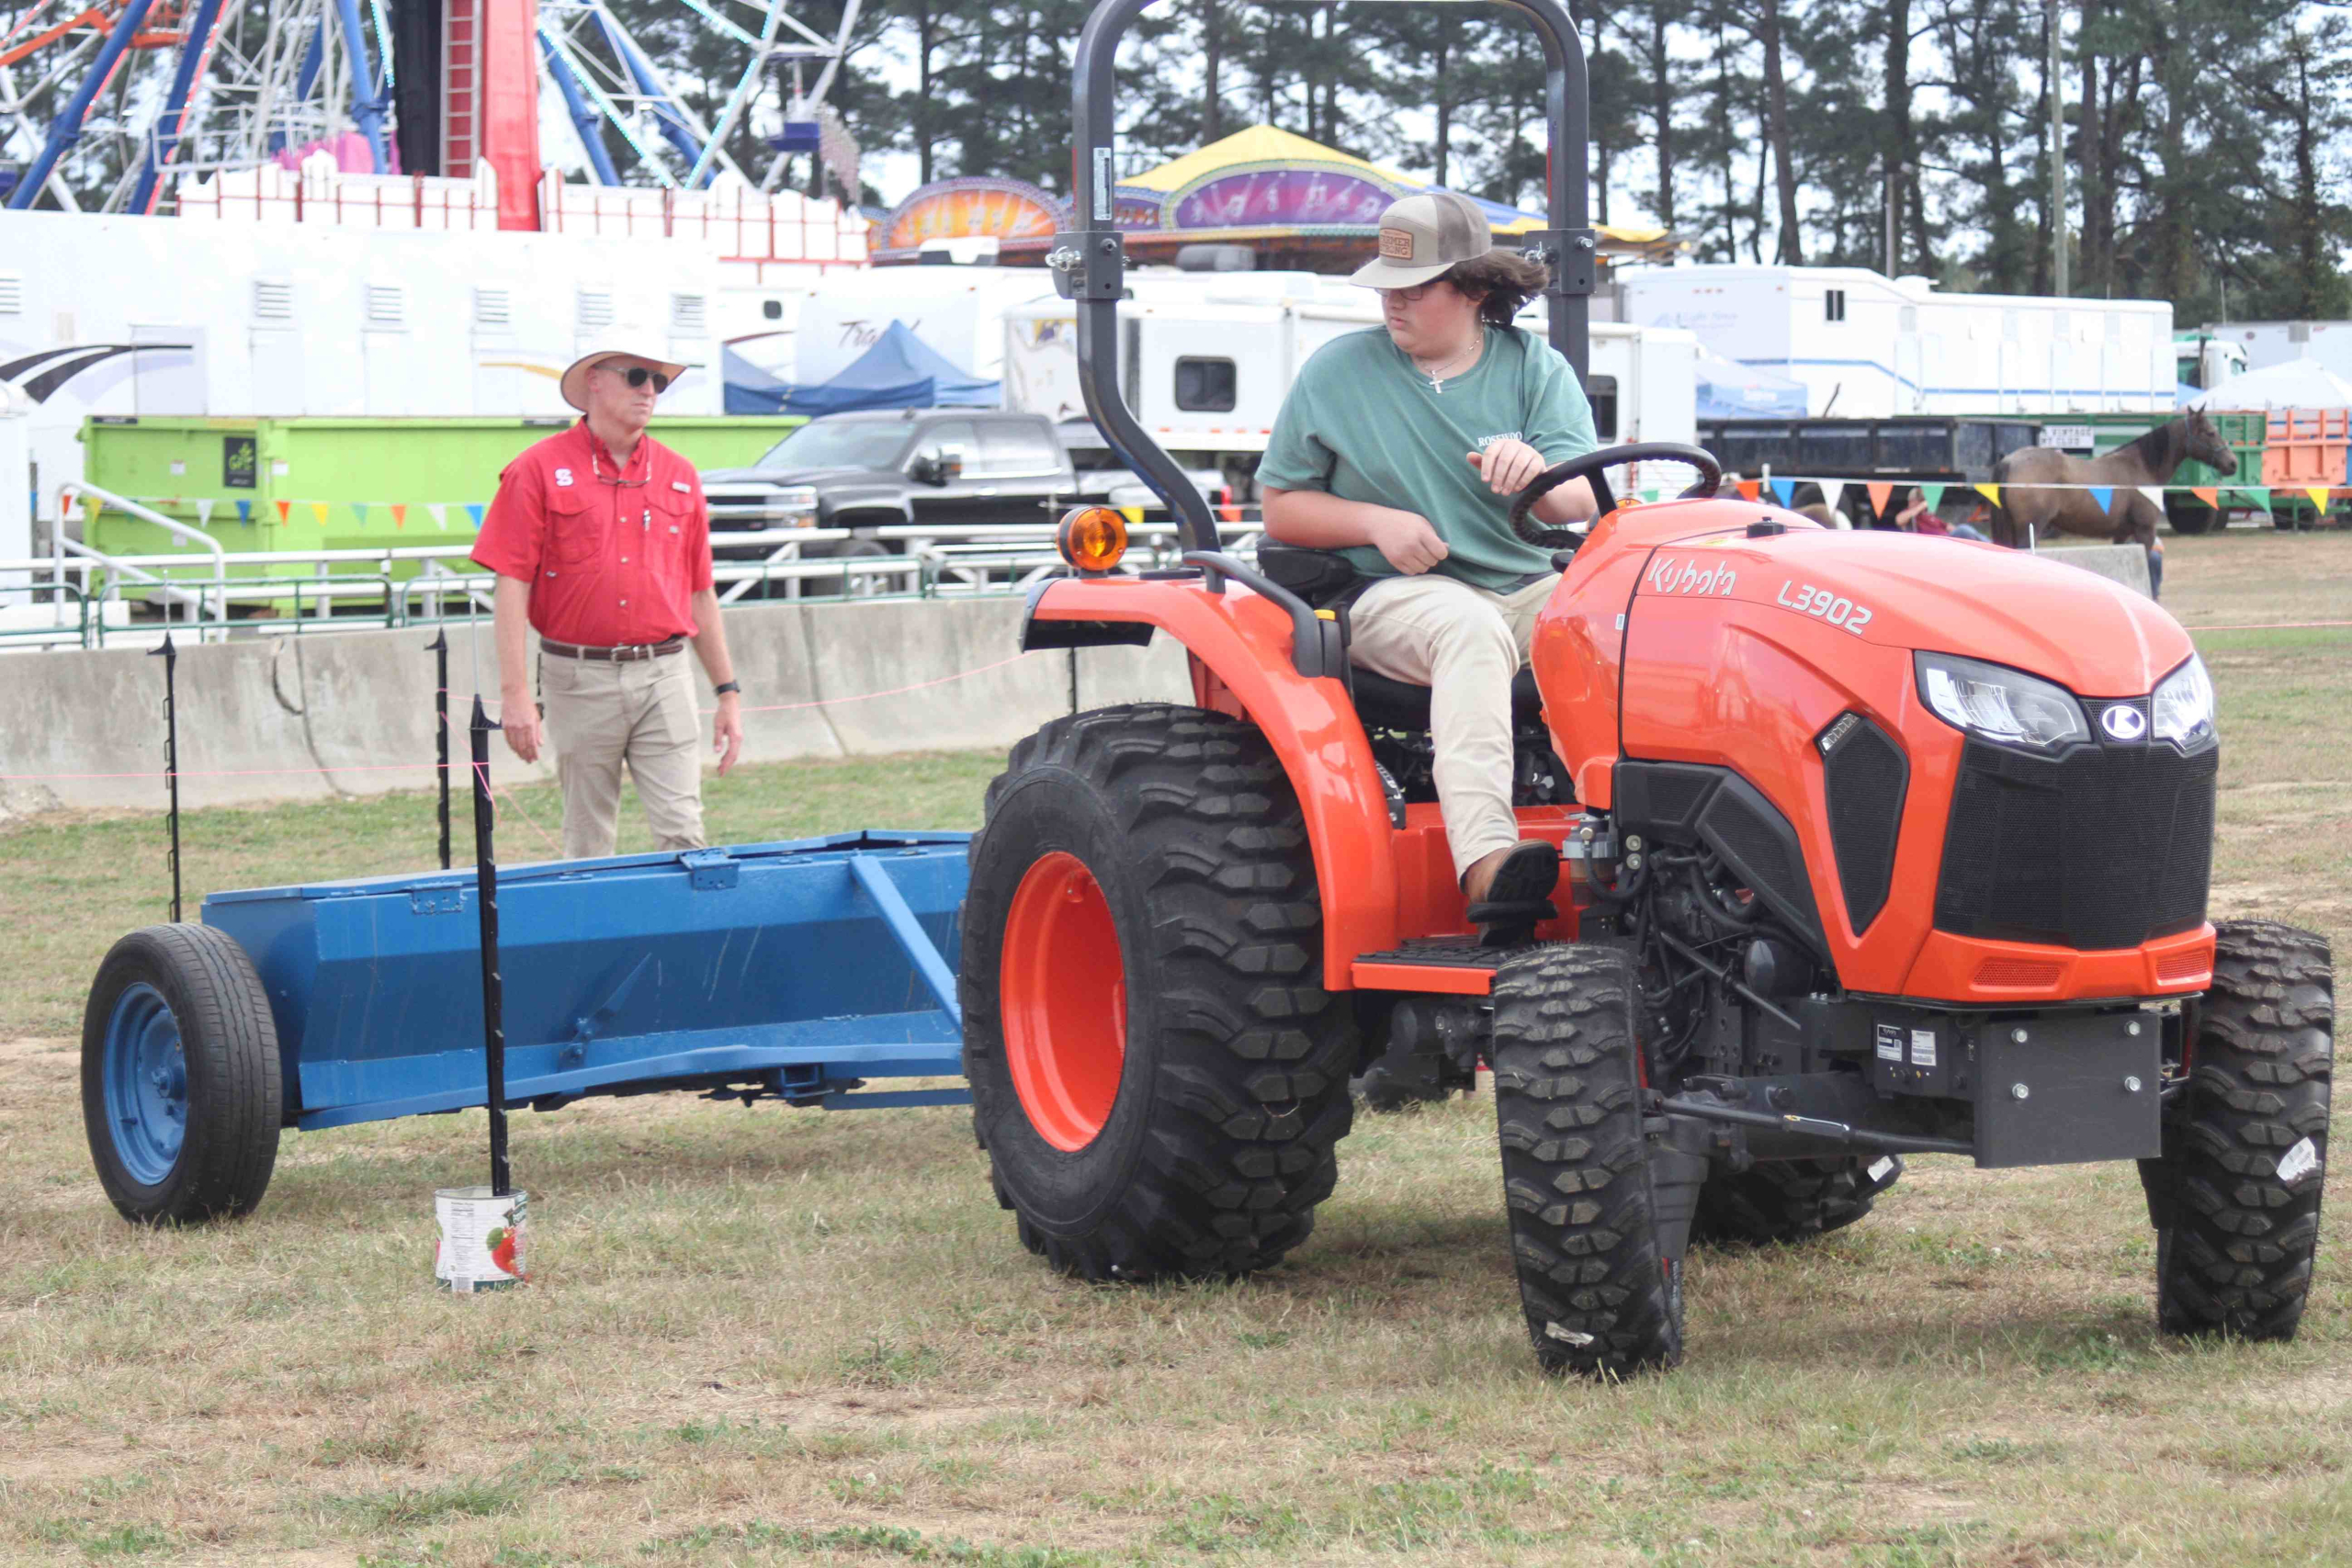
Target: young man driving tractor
(1401,449)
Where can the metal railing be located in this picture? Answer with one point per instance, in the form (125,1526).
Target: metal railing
(252,594)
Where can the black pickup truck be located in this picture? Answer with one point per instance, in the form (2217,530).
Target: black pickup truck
(948,469)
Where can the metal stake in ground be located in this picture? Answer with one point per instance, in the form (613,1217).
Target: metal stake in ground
(440,646)
(171,757)
(494,1000)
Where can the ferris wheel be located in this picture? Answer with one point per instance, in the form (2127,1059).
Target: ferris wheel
(102,101)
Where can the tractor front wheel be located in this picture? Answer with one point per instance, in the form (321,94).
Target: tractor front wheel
(2235,1198)
(1600,1205)
(1158,1073)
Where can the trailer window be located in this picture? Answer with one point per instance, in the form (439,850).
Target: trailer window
(1602,393)
(1833,305)
(1204,386)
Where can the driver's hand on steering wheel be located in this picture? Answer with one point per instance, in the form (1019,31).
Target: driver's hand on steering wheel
(1509,466)
(1412,545)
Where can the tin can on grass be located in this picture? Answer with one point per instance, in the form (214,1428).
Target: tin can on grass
(482,1238)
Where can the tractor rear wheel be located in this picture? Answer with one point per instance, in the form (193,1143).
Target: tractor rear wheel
(1778,1201)
(1158,1073)
(2235,1198)
(1592,1195)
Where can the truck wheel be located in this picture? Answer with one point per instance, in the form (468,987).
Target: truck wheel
(180,1086)
(1158,1073)
(2235,1198)
(1601,1281)
(2191,517)
(1778,1201)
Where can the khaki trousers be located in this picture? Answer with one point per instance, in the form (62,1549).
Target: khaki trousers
(602,715)
(1464,644)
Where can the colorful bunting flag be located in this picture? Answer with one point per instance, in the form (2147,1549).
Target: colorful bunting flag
(2256,496)
(1879,494)
(2105,496)
(474,511)
(244,511)
(91,506)
(1934,494)
(204,511)
(285,510)
(2156,494)
(1748,488)
(400,515)
(1783,489)
(359,510)
(440,514)
(2319,496)
(2210,495)
(1990,492)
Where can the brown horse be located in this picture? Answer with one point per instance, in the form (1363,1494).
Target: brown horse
(2027,512)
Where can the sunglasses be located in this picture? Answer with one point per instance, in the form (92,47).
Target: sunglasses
(638,375)
(1414,294)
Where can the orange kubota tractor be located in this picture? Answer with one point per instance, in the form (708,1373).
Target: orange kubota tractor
(1878,844)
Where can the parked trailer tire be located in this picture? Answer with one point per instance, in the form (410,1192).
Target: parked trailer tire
(1595,1235)
(181,1092)
(2192,518)
(1158,1073)
(2235,1199)
(1776,1202)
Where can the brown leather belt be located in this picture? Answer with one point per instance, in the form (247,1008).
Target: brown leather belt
(628,654)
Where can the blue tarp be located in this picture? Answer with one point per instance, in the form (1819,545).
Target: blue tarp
(1731,390)
(900,371)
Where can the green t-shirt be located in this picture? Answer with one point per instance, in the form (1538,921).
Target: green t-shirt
(1363,424)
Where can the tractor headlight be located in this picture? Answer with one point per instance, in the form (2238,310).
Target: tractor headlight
(2182,711)
(2000,705)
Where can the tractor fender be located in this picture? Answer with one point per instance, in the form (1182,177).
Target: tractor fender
(1240,649)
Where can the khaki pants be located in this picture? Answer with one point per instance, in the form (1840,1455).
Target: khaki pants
(601,715)
(1464,644)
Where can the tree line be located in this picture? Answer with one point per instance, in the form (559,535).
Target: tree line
(2202,139)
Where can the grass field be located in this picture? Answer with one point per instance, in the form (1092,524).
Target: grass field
(770,1337)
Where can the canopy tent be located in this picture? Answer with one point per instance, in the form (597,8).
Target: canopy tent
(1728,389)
(2297,384)
(900,371)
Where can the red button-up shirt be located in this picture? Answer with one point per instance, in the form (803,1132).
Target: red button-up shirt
(613,553)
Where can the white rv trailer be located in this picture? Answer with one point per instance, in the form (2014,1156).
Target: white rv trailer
(1207,360)
(1868,346)
(2276,343)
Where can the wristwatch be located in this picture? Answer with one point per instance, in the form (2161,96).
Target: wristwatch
(725,687)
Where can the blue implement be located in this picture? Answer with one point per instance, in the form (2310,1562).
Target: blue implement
(796,970)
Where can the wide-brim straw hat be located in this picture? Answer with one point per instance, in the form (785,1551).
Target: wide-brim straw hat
(574,384)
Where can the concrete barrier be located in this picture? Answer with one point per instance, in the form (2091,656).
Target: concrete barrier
(304,718)
(2126,564)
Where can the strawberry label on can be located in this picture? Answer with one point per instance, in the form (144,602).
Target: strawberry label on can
(481,1243)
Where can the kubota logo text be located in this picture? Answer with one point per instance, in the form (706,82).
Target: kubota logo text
(1670,576)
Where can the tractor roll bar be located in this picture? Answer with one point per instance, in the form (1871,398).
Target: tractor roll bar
(1089,261)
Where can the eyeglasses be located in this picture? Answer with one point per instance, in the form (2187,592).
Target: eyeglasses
(638,375)
(1412,296)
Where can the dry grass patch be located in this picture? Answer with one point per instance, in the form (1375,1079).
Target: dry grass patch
(771,1336)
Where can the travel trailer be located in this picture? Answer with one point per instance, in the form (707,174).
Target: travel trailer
(1867,346)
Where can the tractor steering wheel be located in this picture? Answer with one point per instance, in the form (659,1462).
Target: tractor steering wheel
(1711,474)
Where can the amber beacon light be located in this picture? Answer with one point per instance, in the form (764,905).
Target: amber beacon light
(1092,538)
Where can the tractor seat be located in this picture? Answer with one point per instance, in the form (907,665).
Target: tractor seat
(1394,704)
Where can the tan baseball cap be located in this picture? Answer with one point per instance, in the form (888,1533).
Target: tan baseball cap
(574,385)
(1423,235)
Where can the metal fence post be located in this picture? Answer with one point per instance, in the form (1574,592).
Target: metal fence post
(171,657)
(440,646)
(494,1000)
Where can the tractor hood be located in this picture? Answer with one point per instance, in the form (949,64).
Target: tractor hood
(2096,638)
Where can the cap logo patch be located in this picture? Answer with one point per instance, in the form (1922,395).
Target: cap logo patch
(1397,245)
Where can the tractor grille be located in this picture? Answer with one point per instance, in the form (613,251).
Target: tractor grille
(2105,847)
(1865,776)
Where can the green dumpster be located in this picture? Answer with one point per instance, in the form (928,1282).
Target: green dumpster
(336,484)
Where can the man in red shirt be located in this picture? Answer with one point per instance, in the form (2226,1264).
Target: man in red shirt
(600,541)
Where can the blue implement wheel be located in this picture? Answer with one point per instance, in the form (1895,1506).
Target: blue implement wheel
(181,1084)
